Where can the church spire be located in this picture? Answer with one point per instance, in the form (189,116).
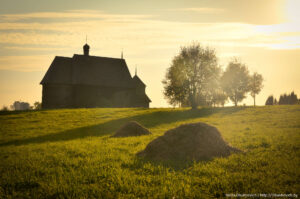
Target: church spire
(122,54)
(135,70)
(86,48)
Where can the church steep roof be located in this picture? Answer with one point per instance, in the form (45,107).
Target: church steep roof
(59,71)
(146,98)
(89,70)
(138,81)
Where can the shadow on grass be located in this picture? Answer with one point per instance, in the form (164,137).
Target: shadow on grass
(139,164)
(148,120)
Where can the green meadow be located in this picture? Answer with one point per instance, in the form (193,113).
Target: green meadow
(69,153)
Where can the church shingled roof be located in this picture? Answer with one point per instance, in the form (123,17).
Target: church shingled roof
(59,71)
(137,80)
(89,70)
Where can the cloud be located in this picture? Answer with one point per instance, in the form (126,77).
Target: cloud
(25,63)
(204,10)
(137,34)
(26,48)
(77,14)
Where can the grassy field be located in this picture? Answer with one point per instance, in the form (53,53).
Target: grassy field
(69,154)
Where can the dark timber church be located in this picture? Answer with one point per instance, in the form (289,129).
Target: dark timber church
(90,81)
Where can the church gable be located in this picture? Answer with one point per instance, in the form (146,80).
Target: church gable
(91,81)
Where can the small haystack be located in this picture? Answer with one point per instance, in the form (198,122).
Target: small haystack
(197,141)
(131,129)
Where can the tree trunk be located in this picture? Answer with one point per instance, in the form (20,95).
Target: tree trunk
(235,100)
(254,100)
(193,101)
(194,104)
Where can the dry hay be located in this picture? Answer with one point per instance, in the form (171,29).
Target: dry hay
(196,141)
(131,129)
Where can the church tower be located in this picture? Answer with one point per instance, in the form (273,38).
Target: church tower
(86,49)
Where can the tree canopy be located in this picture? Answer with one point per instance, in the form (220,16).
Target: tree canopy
(235,81)
(195,78)
(191,76)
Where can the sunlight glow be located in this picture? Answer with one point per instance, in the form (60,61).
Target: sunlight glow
(293,14)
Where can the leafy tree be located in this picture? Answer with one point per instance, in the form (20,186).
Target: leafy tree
(4,108)
(19,106)
(190,74)
(219,98)
(213,93)
(175,89)
(283,99)
(288,99)
(37,105)
(255,85)
(293,98)
(235,81)
(270,100)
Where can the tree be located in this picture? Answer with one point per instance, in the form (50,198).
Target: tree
(213,93)
(255,85)
(20,106)
(288,99)
(219,98)
(37,105)
(235,81)
(293,98)
(4,108)
(270,100)
(190,73)
(175,89)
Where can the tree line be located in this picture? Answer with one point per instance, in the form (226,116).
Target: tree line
(290,99)
(21,106)
(196,78)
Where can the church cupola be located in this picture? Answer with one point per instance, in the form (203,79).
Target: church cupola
(86,49)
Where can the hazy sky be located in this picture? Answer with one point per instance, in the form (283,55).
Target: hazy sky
(265,34)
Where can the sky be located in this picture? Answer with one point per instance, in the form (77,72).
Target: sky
(263,34)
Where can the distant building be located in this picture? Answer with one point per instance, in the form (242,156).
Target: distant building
(20,106)
(91,81)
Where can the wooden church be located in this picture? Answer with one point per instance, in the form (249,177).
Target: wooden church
(91,81)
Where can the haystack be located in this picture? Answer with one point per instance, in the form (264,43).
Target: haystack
(131,129)
(196,141)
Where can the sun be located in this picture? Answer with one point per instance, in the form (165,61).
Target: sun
(292,11)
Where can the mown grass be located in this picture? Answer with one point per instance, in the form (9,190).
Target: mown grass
(70,154)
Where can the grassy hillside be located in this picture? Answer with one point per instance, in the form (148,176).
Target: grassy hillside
(69,154)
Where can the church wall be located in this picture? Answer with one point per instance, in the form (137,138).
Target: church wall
(140,90)
(96,96)
(80,96)
(122,98)
(57,96)
(139,102)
